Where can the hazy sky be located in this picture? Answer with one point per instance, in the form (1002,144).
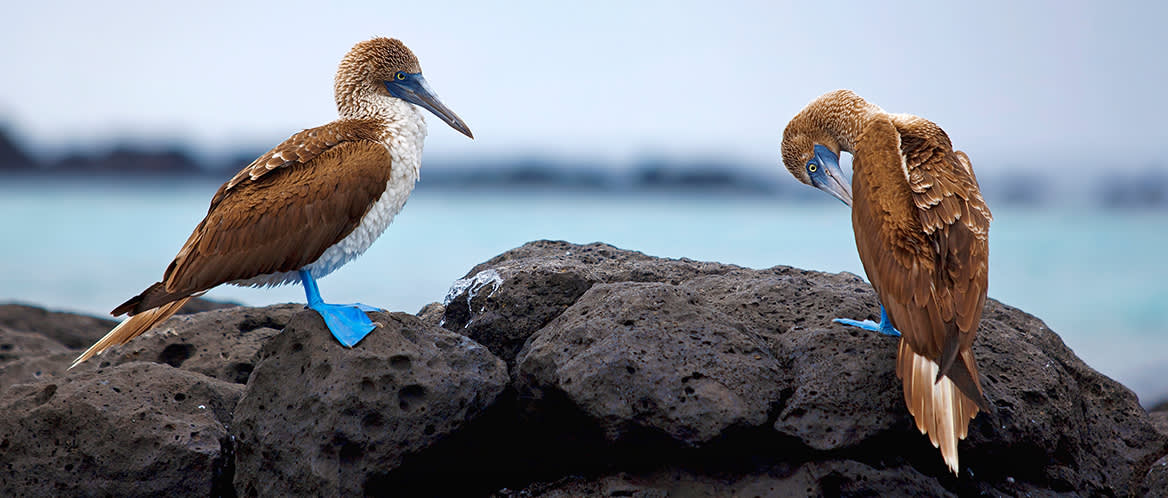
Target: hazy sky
(1014,83)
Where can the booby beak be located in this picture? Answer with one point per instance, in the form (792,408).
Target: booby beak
(831,178)
(415,90)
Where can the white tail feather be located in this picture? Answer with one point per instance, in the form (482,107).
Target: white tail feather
(940,409)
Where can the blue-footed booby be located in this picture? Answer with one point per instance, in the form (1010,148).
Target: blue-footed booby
(312,203)
(922,229)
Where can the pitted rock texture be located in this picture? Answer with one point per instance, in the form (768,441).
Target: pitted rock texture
(63,336)
(541,279)
(610,339)
(321,419)
(1156,482)
(76,331)
(617,374)
(691,371)
(138,429)
(29,356)
(223,343)
(840,478)
(1160,421)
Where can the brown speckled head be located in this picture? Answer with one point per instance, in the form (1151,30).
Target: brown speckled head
(811,143)
(370,63)
(379,58)
(818,124)
(799,142)
(376,72)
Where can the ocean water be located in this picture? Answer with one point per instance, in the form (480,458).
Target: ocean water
(1098,278)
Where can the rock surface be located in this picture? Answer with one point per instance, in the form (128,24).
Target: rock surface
(1156,482)
(1160,421)
(686,370)
(139,429)
(71,330)
(602,372)
(29,356)
(221,344)
(632,360)
(319,418)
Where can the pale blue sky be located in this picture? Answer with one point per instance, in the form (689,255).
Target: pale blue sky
(1044,84)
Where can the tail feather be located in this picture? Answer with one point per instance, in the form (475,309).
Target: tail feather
(153,297)
(132,327)
(938,406)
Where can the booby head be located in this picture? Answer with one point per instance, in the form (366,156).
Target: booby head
(381,68)
(813,158)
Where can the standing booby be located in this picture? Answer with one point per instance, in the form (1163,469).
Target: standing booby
(311,204)
(921,229)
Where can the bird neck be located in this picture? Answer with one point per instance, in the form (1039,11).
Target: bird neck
(403,123)
(356,102)
(842,116)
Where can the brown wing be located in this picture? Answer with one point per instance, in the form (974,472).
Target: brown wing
(303,147)
(280,221)
(956,219)
(921,230)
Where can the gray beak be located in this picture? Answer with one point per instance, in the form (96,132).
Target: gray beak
(415,90)
(832,180)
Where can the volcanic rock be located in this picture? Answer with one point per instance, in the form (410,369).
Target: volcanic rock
(322,419)
(138,429)
(613,373)
(712,359)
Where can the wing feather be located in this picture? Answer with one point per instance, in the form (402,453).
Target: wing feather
(285,221)
(303,147)
(272,220)
(921,229)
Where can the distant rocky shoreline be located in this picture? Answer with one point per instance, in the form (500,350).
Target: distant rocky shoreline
(556,369)
(1137,188)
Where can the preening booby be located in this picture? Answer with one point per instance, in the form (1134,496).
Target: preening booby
(311,204)
(921,229)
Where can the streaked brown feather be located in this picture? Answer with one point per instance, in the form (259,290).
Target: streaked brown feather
(304,147)
(921,229)
(284,220)
(933,286)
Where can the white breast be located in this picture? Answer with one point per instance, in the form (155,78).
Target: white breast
(404,139)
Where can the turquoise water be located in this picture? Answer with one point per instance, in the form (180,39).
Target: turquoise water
(1098,278)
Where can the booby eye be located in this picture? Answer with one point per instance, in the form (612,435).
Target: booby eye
(400,76)
(812,167)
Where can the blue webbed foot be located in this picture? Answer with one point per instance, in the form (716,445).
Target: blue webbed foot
(884,327)
(863,324)
(348,323)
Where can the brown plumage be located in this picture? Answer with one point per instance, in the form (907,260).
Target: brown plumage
(277,222)
(283,211)
(921,228)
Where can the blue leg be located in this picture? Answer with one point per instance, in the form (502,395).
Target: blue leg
(884,327)
(347,322)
